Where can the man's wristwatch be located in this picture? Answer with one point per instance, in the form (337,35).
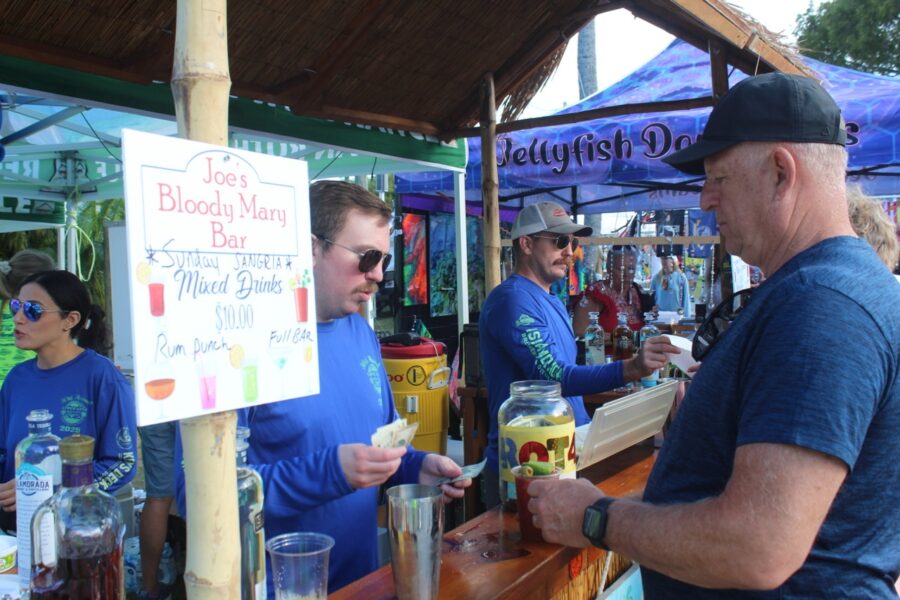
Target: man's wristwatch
(596,516)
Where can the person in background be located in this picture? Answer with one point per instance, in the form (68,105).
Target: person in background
(158,457)
(524,331)
(12,273)
(670,288)
(85,392)
(319,471)
(872,224)
(778,476)
(617,293)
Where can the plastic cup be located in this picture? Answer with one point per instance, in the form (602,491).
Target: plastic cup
(300,565)
(530,533)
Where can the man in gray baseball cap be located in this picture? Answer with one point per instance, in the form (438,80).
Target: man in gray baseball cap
(779,476)
(525,333)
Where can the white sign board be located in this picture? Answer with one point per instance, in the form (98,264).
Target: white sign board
(220,277)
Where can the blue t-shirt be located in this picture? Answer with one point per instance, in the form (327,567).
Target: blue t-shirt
(671,292)
(812,361)
(294,446)
(87,395)
(524,333)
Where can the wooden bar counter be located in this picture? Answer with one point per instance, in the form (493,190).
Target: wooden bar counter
(485,558)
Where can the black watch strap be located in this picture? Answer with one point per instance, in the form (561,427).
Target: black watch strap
(596,517)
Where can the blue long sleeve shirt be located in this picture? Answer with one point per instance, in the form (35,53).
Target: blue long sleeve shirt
(294,446)
(87,395)
(524,333)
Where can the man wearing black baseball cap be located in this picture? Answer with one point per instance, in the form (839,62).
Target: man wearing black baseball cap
(525,333)
(779,476)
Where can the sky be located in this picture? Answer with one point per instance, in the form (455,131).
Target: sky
(624,43)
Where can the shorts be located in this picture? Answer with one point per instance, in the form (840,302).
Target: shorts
(158,455)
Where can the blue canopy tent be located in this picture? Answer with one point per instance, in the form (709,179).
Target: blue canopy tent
(614,164)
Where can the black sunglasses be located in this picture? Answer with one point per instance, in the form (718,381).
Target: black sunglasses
(561,240)
(368,260)
(32,310)
(717,322)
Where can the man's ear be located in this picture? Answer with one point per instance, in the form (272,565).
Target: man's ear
(785,166)
(314,241)
(526,245)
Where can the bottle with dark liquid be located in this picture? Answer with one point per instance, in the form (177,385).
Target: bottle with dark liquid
(623,339)
(85,562)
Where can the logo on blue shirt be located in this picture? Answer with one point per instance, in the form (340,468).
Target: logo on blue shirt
(74,410)
(524,320)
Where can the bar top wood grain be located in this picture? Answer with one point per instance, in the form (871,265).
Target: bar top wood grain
(485,558)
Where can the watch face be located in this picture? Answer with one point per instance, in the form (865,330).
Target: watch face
(593,527)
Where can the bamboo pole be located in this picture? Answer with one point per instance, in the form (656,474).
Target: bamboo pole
(490,187)
(200,86)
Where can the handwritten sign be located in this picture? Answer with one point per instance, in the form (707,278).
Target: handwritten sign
(220,277)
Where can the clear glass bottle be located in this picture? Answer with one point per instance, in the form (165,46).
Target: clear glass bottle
(623,339)
(85,560)
(250,514)
(38,475)
(594,341)
(536,423)
(649,330)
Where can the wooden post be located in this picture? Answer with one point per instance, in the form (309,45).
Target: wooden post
(719,72)
(200,86)
(490,187)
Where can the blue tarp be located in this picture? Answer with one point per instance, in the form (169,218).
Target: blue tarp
(614,164)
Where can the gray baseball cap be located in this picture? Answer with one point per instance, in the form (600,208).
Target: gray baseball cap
(546,216)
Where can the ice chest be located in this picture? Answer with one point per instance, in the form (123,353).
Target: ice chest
(419,376)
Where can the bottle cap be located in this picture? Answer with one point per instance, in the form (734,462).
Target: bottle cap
(76,448)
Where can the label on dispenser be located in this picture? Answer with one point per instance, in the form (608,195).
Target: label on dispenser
(537,438)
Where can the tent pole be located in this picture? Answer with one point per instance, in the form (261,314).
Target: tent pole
(200,86)
(71,218)
(462,259)
(490,187)
(61,247)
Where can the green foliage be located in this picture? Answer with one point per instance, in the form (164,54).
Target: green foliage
(92,217)
(860,34)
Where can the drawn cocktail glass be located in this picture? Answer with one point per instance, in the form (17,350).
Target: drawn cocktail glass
(160,384)
(157,289)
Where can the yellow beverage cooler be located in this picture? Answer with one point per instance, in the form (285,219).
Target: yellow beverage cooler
(418,372)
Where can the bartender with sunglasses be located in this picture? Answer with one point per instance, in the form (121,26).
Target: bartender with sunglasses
(320,472)
(779,477)
(525,333)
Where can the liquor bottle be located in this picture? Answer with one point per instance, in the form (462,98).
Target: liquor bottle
(594,340)
(85,560)
(250,514)
(38,475)
(649,330)
(623,339)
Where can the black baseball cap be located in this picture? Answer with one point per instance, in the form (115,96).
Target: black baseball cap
(774,107)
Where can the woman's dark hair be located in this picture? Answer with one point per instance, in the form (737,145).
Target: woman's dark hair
(70,294)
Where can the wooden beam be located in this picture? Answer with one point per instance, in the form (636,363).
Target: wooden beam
(718,67)
(376,119)
(490,186)
(678,25)
(69,59)
(589,115)
(655,240)
(736,31)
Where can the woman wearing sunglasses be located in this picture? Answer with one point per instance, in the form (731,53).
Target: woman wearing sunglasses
(12,273)
(83,390)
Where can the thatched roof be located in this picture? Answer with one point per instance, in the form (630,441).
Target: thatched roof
(409,64)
